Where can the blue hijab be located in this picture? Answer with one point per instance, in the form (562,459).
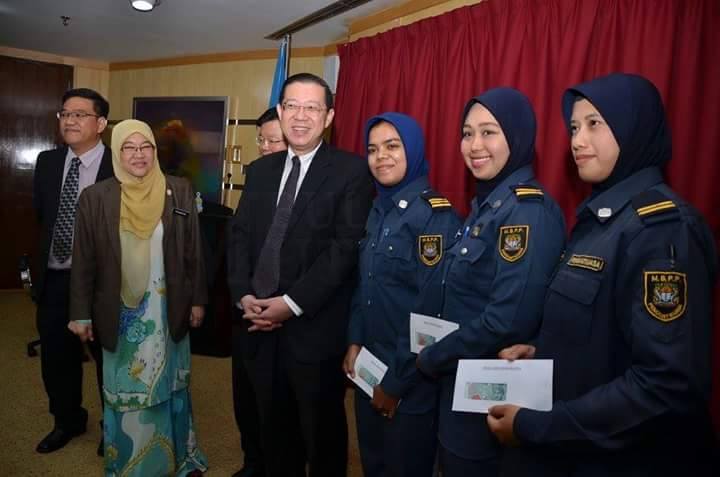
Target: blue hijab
(411,136)
(633,109)
(516,117)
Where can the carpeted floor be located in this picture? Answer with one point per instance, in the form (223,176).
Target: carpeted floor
(24,416)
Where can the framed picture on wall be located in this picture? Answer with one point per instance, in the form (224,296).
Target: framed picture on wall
(190,134)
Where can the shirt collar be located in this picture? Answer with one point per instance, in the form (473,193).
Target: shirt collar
(89,157)
(501,192)
(410,192)
(610,202)
(305,158)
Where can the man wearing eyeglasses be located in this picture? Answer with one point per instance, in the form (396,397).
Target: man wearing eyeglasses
(269,134)
(291,257)
(60,176)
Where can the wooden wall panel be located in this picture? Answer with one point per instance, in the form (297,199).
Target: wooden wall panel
(86,73)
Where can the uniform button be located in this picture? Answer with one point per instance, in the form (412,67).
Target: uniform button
(370,274)
(372,245)
(390,248)
(442,282)
(369,302)
(463,251)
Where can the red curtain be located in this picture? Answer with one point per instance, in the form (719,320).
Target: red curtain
(429,69)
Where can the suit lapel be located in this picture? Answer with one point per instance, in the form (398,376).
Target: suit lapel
(112,217)
(316,175)
(167,215)
(106,169)
(55,177)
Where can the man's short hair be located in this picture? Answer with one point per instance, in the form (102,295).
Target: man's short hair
(309,78)
(100,104)
(269,115)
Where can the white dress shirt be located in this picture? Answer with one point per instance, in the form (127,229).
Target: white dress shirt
(88,171)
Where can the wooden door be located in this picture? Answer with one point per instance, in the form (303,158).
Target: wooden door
(30,95)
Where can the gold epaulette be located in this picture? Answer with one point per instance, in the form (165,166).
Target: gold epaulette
(528,192)
(436,200)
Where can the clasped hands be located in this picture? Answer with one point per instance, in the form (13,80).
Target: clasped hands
(266,314)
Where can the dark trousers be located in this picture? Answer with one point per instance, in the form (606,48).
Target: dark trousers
(61,354)
(245,405)
(302,412)
(452,465)
(403,446)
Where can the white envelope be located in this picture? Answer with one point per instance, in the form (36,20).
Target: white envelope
(483,383)
(426,330)
(369,371)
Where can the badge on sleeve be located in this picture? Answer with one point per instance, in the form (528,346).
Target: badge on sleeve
(430,249)
(513,240)
(665,294)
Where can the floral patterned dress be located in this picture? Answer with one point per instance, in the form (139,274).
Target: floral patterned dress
(148,425)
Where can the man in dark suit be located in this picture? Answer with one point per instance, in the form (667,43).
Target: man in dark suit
(269,139)
(292,254)
(60,175)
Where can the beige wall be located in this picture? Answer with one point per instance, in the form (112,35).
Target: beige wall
(86,73)
(247,83)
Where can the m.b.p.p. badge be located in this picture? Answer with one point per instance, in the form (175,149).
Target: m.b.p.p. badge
(430,249)
(665,294)
(513,241)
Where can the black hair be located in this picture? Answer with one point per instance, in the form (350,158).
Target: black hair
(100,104)
(269,115)
(309,78)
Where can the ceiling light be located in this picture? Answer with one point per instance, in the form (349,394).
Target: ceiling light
(144,5)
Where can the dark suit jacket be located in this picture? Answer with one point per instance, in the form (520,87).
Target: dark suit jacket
(319,253)
(47,185)
(95,277)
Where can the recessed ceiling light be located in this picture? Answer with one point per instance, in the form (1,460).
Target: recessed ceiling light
(144,5)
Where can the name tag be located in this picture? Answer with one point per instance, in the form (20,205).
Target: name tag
(589,262)
(181,212)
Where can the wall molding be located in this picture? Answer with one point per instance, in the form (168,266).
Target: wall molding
(51,58)
(391,14)
(248,55)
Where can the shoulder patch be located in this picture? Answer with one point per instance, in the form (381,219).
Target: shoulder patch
(436,200)
(653,202)
(665,294)
(513,242)
(523,192)
(430,249)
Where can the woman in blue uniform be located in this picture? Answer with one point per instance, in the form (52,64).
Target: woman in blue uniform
(627,319)
(495,276)
(396,429)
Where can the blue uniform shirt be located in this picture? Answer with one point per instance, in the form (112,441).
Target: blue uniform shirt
(492,284)
(392,270)
(627,320)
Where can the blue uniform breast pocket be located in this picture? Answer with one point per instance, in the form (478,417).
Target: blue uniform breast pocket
(397,265)
(473,260)
(569,306)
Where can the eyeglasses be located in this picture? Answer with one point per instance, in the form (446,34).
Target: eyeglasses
(311,109)
(76,115)
(132,149)
(266,141)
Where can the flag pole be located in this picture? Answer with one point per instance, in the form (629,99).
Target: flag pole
(288,44)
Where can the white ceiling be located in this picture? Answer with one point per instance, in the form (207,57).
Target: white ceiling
(110,30)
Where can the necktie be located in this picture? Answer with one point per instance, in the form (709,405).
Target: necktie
(267,272)
(65,222)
